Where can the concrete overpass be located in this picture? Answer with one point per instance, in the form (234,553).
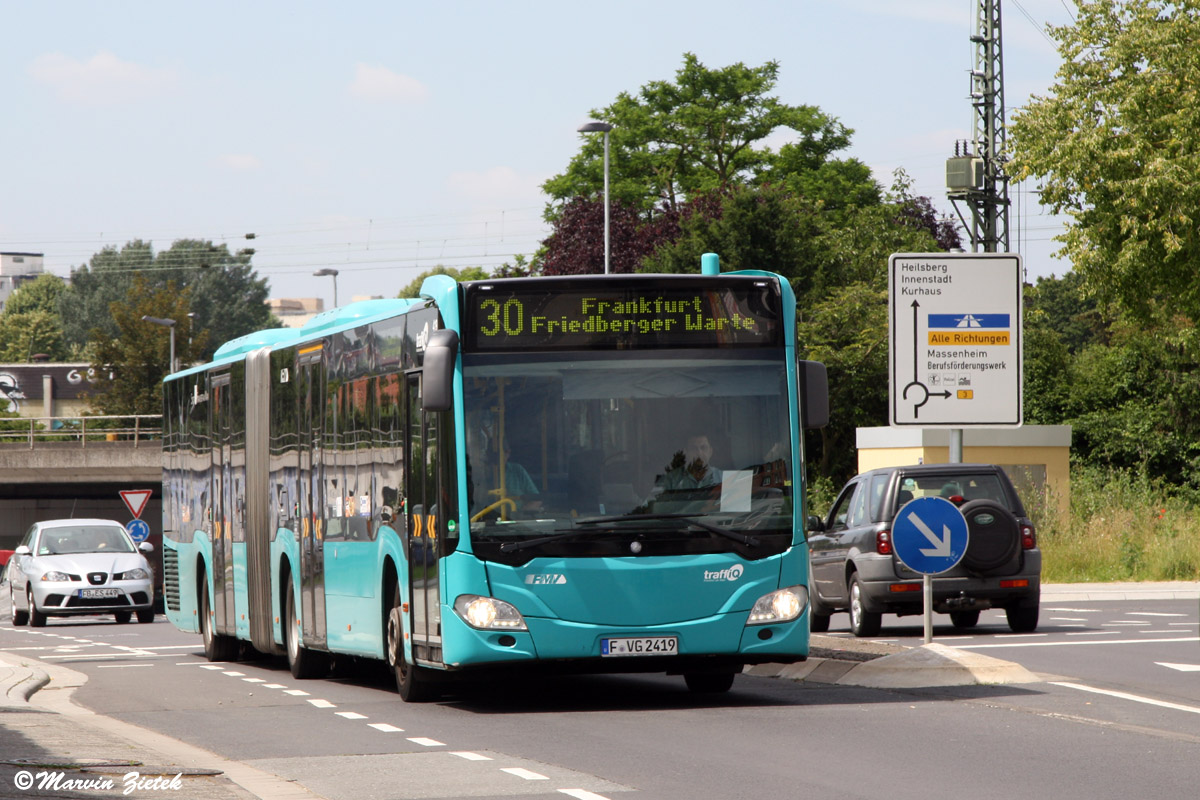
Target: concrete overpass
(54,467)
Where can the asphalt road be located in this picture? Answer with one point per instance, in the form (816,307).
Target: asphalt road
(352,738)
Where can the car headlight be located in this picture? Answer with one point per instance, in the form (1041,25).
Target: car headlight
(135,574)
(488,613)
(782,605)
(55,576)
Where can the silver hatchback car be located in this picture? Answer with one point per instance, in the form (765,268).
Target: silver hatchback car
(67,567)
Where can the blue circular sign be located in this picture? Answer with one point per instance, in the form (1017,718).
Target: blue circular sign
(930,535)
(139,531)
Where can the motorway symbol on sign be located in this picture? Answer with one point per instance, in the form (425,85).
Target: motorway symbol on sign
(135,500)
(930,535)
(139,531)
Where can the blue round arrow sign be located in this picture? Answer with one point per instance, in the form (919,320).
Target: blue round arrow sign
(139,531)
(930,535)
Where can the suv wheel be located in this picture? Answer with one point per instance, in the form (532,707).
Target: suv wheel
(1022,619)
(862,622)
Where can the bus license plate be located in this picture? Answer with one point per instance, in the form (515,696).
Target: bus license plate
(94,594)
(640,646)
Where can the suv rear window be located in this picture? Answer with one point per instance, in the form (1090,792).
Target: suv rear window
(968,487)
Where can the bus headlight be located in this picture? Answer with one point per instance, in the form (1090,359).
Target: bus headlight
(783,605)
(488,613)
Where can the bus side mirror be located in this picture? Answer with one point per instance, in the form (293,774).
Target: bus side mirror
(814,395)
(437,390)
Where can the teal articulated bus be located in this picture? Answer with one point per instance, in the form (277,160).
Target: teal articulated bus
(592,474)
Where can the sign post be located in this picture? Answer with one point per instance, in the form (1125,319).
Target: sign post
(955,340)
(930,535)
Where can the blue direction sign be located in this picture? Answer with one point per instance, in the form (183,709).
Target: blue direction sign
(930,535)
(139,531)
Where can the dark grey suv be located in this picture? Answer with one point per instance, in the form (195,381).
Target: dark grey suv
(855,568)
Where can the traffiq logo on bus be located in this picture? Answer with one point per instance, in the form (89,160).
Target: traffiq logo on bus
(728,574)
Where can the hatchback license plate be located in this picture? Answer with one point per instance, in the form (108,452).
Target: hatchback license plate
(640,646)
(93,594)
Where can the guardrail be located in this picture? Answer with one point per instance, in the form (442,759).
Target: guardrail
(129,428)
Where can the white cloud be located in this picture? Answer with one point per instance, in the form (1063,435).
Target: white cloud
(102,80)
(381,85)
(239,161)
(497,186)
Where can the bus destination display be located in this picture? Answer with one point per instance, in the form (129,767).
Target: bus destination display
(504,319)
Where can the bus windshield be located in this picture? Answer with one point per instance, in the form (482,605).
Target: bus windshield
(624,454)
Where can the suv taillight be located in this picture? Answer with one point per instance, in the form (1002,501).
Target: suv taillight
(1028,537)
(883,543)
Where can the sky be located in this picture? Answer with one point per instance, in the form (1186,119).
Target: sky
(383,138)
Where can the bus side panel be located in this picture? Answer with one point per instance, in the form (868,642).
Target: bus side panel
(186,617)
(352,607)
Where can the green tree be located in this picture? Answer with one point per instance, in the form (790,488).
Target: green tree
(228,298)
(30,323)
(1116,145)
(699,133)
(134,362)
(464,274)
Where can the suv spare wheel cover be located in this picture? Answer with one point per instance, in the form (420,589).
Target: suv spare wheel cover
(995,535)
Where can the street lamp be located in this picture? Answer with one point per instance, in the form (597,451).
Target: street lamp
(333,273)
(170,325)
(595,127)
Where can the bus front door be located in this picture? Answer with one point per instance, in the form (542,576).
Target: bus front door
(221,510)
(424,528)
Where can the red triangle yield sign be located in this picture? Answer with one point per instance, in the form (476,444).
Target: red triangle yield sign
(135,500)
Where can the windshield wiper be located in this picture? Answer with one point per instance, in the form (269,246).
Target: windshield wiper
(514,547)
(688,518)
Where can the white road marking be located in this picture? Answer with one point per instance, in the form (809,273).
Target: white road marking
(296,692)
(121,666)
(234,674)
(582,794)
(1180,667)
(383,726)
(1075,610)
(521,772)
(274,686)
(321,703)
(253,680)
(1075,644)
(425,742)
(350,714)
(469,756)
(1094,633)
(211,666)
(1150,701)
(1152,614)
(1069,619)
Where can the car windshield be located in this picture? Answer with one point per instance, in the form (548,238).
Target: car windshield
(588,454)
(84,539)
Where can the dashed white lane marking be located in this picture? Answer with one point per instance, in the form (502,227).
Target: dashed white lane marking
(350,714)
(274,686)
(1094,633)
(121,666)
(1137,698)
(469,756)
(234,674)
(1180,667)
(582,794)
(1068,619)
(321,703)
(212,666)
(426,742)
(253,680)
(383,726)
(296,692)
(1153,614)
(528,775)
(1077,643)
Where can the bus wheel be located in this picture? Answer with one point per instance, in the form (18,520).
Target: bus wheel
(303,662)
(217,647)
(411,681)
(709,682)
